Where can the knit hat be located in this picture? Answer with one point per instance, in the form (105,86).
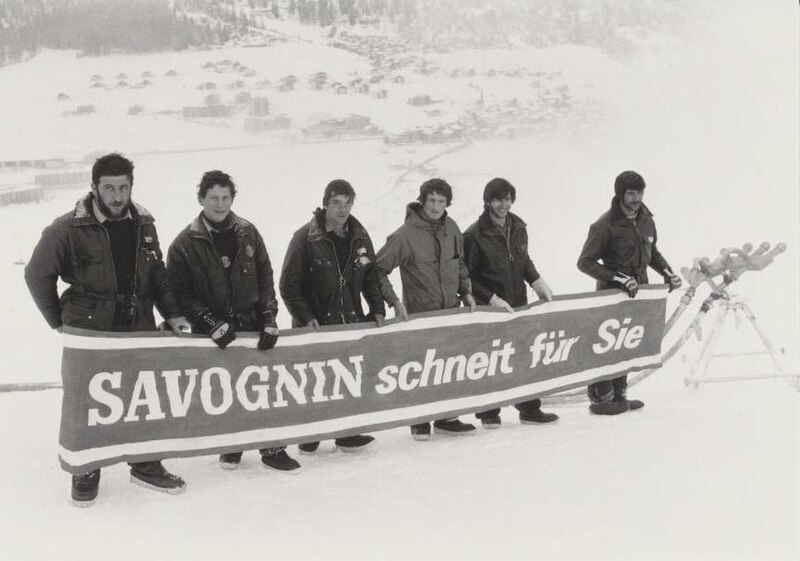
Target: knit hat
(628,180)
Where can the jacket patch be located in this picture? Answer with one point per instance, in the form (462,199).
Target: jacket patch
(249,251)
(362,260)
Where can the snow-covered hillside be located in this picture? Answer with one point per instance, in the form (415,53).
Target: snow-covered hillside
(711,122)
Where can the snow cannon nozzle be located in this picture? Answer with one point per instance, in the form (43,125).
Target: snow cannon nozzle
(730,264)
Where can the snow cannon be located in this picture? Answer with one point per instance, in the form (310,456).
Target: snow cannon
(741,261)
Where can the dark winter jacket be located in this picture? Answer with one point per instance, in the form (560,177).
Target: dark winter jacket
(76,248)
(623,245)
(201,283)
(431,261)
(498,265)
(316,285)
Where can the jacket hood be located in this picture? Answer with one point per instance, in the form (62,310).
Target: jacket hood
(414,217)
(83,214)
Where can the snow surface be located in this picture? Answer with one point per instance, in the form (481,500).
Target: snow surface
(711,123)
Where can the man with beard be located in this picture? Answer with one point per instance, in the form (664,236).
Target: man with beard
(329,265)
(429,250)
(221,274)
(107,250)
(619,248)
(496,253)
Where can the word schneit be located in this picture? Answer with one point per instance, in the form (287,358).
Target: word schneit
(261,387)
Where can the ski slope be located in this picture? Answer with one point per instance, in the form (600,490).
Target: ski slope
(710,121)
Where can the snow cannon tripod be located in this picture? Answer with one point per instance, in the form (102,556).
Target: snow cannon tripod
(730,265)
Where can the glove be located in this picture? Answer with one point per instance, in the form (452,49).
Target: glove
(630,285)
(269,333)
(221,332)
(673,280)
(498,302)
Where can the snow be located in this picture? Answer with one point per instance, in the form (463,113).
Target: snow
(707,473)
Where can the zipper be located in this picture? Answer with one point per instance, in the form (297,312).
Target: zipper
(341,281)
(114,271)
(439,268)
(134,296)
(210,241)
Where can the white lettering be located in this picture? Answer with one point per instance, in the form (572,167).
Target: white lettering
(100,395)
(224,381)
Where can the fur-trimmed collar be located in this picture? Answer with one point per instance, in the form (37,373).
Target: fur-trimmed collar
(83,214)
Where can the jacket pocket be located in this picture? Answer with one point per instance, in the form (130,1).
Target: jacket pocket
(324,275)
(78,310)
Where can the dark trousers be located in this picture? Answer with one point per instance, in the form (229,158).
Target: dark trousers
(524,407)
(608,390)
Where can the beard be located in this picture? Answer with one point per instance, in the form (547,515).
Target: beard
(110,213)
(631,208)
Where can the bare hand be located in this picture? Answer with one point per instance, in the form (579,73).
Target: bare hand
(314,324)
(469,300)
(400,310)
(542,290)
(497,302)
(380,320)
(179,325)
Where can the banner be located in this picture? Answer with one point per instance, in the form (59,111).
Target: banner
(143,396)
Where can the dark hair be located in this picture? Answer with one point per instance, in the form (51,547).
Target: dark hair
(435,185)
(111,165)
(499,188)
(212,178)
(338,187)
(628,180)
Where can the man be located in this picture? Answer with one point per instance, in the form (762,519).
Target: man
(107,250)
(496,253)
(329,265)
(221,275)
(619,248)
(429,249)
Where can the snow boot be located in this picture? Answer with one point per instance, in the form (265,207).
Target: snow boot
(354,443)
(280,461)
(536,417)
(421,431)
(633,404)
(453,427)
(153,476)
(85,488)
(491,423)
(308,448)
(608,407)
(230,460)
(621,394)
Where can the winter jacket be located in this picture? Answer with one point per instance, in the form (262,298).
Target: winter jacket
(76,248)
(431,260)
(623,245)
(496,265)
(316,285)
(201,283)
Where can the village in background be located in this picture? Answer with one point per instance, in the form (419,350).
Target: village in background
(393,70)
